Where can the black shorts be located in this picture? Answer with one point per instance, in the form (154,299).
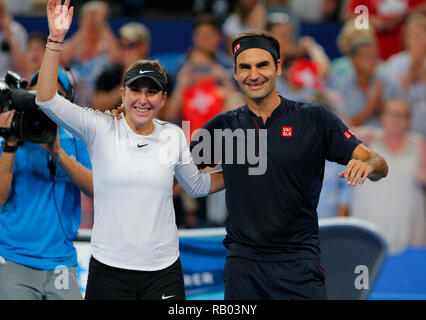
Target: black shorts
(247,279)
(109,283)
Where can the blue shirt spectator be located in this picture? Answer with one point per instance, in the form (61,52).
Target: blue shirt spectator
(356,99)
(42,214)
(336,194)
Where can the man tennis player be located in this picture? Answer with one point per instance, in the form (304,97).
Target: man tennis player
(272,231)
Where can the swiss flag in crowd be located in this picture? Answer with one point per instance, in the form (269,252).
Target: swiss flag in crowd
(304,73)
(201,102)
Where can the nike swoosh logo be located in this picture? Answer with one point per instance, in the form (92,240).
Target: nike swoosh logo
(142,145)
(142,72)
(163,297)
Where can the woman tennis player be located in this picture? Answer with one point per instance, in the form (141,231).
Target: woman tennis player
(135,252)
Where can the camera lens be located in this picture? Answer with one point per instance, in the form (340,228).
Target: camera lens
(37,127)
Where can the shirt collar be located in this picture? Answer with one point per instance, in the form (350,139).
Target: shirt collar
(275,114)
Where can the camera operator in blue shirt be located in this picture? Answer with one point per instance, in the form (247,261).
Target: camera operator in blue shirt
(40,211)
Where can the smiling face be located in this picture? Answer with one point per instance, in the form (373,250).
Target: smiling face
(256,73)
(142,100)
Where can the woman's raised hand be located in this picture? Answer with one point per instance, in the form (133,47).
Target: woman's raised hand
(59,18)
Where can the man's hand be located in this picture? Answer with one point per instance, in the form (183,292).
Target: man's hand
(115,112)
(356,171)
(364,164)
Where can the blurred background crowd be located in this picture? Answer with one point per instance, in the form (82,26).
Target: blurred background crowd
(375,83)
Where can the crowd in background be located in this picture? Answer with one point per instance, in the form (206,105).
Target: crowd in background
(377,87)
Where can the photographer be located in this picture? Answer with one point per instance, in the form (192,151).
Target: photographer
(40,212)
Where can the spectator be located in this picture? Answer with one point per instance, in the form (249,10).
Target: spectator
(281,11)
(332,10)
(201,91)
(218,8)
(406,71)
(280,25)
(336,194)
(297,78)
(135,44)
(20,7)
(342,67)
(91,49)
(387,17)
(40,213)
(36,46)
(304,68)
(306,52)
(363,90)
(13,39)
(207,36)
(318,10)
(248,14)
(396,204)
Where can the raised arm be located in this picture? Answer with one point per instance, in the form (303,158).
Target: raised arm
(59,23)
(85,123)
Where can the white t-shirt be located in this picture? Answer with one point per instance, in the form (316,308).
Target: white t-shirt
(134,222)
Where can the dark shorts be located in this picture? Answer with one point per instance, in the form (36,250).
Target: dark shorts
(109,283)
(247,279)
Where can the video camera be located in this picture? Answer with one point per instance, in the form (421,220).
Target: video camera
(29,123)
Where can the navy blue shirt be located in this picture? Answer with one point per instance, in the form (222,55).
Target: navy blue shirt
(272,216)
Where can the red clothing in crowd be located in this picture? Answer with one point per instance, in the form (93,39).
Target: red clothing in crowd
(389,42)
(201,102)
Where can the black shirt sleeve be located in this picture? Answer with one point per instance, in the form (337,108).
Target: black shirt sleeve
(340,141)
(202,145)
